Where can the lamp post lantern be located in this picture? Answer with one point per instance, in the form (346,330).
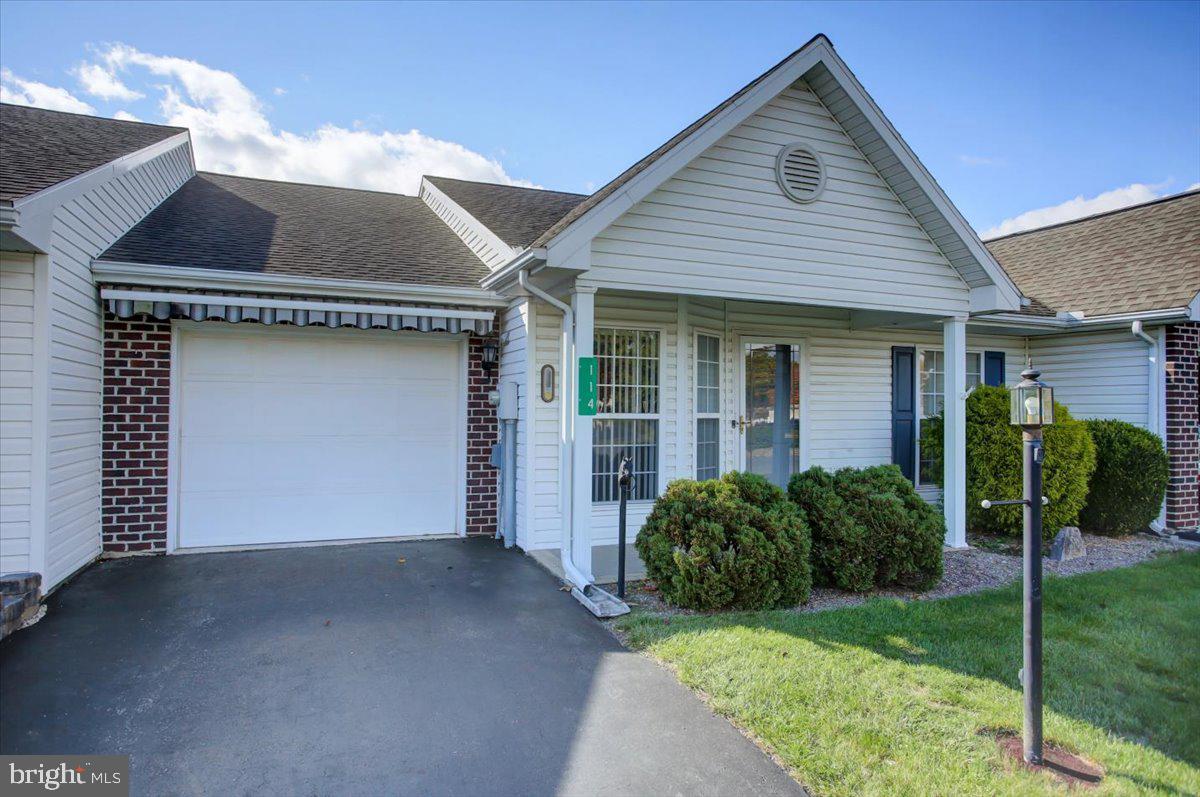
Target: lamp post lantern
(1032,408)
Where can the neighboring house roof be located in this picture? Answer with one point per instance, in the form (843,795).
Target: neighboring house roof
(516,215)
(40,148)
(241,224)
(1146,257)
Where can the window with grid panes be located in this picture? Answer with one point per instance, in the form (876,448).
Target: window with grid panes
(708,407)
(627,411)
(932,371)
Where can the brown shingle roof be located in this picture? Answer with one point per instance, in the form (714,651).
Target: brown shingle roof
(517,215)
(1146,257)
(262,226)
(39,148)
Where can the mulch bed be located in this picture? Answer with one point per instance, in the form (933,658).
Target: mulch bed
(989,562)
(1065,766)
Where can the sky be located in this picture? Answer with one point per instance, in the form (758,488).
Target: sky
(1026,113)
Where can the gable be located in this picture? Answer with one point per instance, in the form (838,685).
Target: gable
(722,225)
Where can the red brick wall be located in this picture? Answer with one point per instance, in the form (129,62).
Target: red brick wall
(137,378)
(482,432)
(1183,425)
(137,389)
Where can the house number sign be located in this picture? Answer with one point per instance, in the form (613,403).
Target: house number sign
(587,385)
(547,383)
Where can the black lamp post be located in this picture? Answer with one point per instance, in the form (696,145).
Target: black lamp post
(1032,408)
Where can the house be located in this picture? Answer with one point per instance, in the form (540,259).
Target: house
(204,361)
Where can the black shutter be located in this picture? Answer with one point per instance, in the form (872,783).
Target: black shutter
(904,416)
(993,368)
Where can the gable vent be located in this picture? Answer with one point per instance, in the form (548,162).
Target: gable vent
(800,172)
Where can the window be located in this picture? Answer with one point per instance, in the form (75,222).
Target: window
(708,407)
(627,395)
(931,365)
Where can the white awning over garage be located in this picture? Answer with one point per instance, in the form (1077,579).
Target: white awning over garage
(125,303)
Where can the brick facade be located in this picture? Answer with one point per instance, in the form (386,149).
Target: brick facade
(483,431)
(137,393)
(1183,425)
(137,388)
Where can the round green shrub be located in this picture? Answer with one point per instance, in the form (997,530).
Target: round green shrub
(729,543)
(1127,488)
(869,528)
(994,464)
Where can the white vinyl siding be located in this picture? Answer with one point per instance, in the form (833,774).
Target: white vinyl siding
(722,226)
(1096,375)
(16,411)
(83,228)
(515,367)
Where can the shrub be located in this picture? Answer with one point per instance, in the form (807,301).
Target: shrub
(1126,489)
(869,528)
(994,464)
(729,543)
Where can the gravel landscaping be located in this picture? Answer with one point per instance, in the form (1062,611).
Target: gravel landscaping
(989,562)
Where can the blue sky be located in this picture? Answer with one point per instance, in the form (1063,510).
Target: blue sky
(1013,107)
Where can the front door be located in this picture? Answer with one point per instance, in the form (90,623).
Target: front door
(770,413)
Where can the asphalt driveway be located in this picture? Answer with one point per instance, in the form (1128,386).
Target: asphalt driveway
(340,670)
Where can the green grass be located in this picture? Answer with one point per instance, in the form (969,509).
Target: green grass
(893,698)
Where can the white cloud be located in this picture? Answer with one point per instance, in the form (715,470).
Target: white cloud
(126,115)
(1076,208)
(232,134)
(278,91)
(29,92)
(102,83)
(978,160)
(1192,187)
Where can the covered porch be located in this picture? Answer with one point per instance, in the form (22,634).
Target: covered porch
(693,386)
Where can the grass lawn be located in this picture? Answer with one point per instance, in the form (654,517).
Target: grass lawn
(891,698)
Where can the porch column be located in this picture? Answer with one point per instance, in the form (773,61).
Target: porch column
(583,304)
(954,442)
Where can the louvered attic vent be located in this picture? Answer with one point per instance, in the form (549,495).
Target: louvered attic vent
(800,172)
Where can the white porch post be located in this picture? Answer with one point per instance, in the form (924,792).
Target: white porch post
(954,442)
(583,304)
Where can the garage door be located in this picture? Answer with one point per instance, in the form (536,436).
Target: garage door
(316,434)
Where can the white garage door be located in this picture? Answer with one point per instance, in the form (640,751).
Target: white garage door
(316,434)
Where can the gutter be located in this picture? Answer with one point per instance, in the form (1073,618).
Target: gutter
(598,602)
(1065,322)
(514,266)
(115,272)
(1155,411)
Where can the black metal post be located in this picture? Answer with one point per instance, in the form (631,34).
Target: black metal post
(1031,675)
(625,482)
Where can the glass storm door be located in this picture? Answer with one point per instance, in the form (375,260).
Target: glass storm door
(770,422)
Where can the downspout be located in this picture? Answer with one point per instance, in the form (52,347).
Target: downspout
(1154,406)
(566,401)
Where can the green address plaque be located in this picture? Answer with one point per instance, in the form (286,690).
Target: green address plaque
(588,371)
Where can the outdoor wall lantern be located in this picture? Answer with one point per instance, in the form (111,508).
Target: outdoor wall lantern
(1032,401)
(490,352)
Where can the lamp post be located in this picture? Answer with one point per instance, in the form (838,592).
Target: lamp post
(1032,408)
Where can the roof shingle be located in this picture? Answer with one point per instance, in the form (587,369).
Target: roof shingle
(261,226)
(1146,257)
(517,215)
(40,148)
